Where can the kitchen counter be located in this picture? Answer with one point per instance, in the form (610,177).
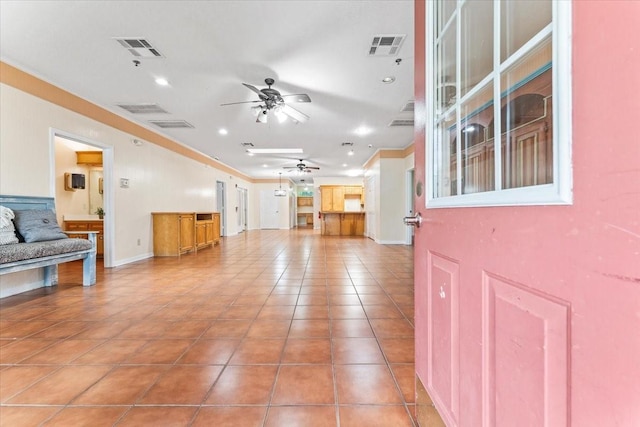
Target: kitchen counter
(342,224)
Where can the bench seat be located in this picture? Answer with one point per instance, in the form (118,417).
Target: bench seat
(25,251)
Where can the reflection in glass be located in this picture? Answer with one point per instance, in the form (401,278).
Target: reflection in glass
(476,60)
(520,21)
(446,71)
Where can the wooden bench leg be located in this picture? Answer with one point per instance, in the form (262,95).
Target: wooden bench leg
(89,270)
(51,275)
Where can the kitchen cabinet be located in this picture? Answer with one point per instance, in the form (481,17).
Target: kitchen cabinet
(352,224)
(87,225)
(305,201)
(342,224)
(332,198)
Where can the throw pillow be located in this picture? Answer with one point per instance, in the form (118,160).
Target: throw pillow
(38,226)
(7,230)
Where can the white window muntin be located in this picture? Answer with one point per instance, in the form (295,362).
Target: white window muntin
(558,192)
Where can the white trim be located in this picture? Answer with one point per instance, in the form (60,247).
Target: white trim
(560,192)
(136,258)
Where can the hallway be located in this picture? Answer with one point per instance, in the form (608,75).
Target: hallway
(269,328)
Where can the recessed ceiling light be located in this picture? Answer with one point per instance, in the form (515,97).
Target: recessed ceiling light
(275,150)
(265,165)
(351,152)
(388,79)
(162,81)
(344,165)
(362,131)
(223,131)
(250,154)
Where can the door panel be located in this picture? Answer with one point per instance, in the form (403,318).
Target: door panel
(548,296)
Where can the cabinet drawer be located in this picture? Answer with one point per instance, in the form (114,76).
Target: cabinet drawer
(75,226)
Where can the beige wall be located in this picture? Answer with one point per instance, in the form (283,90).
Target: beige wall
(160,179)
(386,180)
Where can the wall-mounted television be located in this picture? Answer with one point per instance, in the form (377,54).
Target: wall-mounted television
(74,181)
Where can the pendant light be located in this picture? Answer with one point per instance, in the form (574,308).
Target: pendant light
(280,192)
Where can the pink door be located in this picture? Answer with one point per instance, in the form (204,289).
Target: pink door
(530,315)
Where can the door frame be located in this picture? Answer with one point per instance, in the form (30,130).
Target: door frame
(108,189)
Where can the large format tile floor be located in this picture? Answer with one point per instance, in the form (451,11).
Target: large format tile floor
(271,328)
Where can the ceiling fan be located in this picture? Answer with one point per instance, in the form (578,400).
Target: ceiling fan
(272,100)
(303,168)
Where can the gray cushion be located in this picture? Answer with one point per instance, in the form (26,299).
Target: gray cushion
(38,225)
(21,251)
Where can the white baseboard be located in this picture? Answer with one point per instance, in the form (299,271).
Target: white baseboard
(120,262)
(390,242)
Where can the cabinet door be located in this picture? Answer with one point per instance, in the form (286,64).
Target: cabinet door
(201,234)
(216,227)
(346,225)
(338,199)
(186,232)
(326,194)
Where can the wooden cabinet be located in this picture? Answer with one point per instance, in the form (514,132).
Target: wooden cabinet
(92,158)
(176,233)
(207,229)
(305,201)
(216,227)
(343,224)
(332,198)
(173,233)
(87,225)
(352,224)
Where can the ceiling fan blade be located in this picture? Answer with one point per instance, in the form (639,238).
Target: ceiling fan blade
(298,97)
(289,167)
(242,102)
(294,114)
(312,167)
(255,89)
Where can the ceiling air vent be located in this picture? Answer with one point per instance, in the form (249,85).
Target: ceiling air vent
(386,45)
(402,122)
(138,47)
(171,124)
(409,107)
(143,108)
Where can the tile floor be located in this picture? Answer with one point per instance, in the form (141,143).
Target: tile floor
(270,328)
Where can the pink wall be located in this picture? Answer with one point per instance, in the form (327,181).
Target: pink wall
(585,257)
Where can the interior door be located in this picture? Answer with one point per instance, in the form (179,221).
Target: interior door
(221,201)
(528,315)
(269,210)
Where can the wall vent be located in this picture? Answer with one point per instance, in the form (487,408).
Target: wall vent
(409,107)
(402,122)
(171,124)
(386,44)
(143,108)
(140,48)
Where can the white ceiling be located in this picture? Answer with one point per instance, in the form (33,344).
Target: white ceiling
(210,47)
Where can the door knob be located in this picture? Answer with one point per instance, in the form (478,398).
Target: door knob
(415,221)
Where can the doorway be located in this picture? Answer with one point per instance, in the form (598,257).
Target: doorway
(242,209)
(221,203)
(97,181)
